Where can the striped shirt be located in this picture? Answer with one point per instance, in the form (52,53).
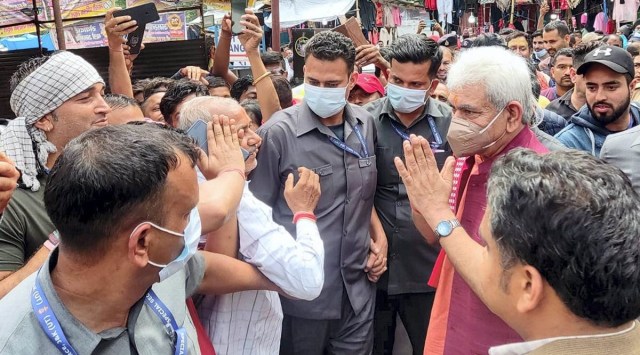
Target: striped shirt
(250,322)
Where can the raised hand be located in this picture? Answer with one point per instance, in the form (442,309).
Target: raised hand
(117,28)
(193,73)
(9,176)
(304,196)
(251,35)
(369,54)
(224,148)
(427,188)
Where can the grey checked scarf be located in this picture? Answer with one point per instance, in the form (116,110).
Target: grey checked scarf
(60,78)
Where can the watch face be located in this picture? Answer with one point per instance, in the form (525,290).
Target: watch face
(444,228)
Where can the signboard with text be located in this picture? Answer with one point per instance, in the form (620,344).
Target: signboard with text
(170,27)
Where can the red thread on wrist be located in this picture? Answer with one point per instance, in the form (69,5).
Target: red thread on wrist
(237,170)
(307,215)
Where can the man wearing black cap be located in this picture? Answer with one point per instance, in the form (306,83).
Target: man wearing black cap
(608,72)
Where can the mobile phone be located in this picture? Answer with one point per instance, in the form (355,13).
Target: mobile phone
(237,10)
(198,131)
(143,15)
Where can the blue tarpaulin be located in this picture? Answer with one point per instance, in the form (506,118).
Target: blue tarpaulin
(28,41)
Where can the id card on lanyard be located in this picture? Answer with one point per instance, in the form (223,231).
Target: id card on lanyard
(342,145)
(435,146)
(51,327)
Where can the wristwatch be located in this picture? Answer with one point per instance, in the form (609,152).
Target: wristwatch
(446,227)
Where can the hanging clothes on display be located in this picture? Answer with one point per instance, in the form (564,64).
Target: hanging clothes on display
(625,10)
(367,14)
(379,15)
(385,37)
(430,5)
(600,23)
(387,18)
(445,11)
(397,19)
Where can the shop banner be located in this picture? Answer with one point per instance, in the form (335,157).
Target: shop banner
(85,35)
(165,4)
(17,30)
(171,27)
(72,9)
(16,11)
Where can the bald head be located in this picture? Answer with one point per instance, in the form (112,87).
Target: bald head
(205,107)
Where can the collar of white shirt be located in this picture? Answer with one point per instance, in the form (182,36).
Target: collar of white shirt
(529,346)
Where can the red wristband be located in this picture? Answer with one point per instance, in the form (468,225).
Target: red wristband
(307,215)
(230,170)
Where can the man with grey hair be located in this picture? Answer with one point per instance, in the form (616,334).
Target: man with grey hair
(492,102)
(250,322)
(557,258)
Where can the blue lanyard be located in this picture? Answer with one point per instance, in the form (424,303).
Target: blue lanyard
(178,335)
(434,131)
(48,321)
(342,145)
(50,325)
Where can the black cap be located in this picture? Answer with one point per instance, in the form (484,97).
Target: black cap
(614,58)
(466,43)
(449,40)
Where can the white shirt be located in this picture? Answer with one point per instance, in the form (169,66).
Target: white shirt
(529,346)
(250,322)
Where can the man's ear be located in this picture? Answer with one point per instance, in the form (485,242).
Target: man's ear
(353,79)
(514,120)
(573,75)
(45,123)
(532,289)
(138,246)
(432,88)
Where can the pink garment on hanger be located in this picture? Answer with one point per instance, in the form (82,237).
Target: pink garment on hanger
(583,19)
(397,19)
(600,24)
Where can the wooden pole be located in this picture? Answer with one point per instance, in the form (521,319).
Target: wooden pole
(513,5)
(36,22)
(275,25)
(57,17)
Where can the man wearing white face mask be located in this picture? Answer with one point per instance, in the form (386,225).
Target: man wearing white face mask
(335,140)
(127,258)
(491,96)
(407,109)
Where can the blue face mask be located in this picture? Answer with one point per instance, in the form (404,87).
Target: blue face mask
(406,100)
(541,53)
(191,237)
(325,102)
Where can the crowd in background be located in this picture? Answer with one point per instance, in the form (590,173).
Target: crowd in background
(482,189)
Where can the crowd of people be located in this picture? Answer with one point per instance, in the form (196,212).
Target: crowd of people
(482,191)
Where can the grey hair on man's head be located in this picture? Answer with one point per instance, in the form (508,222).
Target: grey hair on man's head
(503,74)
(199,109)
(576,219)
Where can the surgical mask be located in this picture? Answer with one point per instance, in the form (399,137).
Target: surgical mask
(405,100)
(467,138)
(191,237)
(541,53)
(325,102)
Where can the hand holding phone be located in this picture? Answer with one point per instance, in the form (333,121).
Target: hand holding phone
(143,15)
(222,150)
(198,131)
(237,10)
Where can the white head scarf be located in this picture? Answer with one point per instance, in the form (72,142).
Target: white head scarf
(60,78)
